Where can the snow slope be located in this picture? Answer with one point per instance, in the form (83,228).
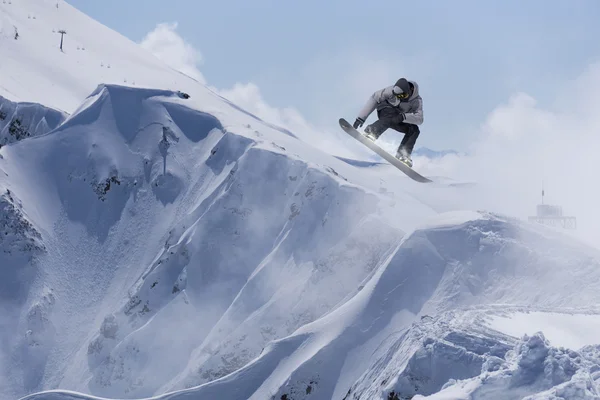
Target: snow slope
(21,120)
(34,69)
(394,338)
(166,219)
(153,245)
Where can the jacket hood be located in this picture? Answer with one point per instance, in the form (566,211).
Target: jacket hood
(415,91)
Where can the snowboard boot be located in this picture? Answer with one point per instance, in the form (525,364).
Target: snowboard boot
(404,157)
(370,134)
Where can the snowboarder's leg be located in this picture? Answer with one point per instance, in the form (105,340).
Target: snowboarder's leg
(387,118)
(410,138)
(411,133)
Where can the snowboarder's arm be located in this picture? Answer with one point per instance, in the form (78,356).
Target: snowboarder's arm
(415,117)
(375,99)
(368,108)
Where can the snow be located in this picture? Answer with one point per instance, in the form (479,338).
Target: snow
(561,329)
(159,246)
(532,370)
(22,120)
(450,219)
(41,73)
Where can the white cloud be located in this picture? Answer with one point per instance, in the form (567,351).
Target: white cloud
(523,144)
(249,97)
(166,44)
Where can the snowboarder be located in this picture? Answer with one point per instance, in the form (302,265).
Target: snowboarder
(399,107)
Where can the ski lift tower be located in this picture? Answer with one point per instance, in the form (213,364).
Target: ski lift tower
(552,215)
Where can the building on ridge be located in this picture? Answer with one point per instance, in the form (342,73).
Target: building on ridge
(552,215)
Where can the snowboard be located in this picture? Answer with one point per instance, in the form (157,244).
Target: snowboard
(411,173)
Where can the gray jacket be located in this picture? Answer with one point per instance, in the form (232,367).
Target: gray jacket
(412,108)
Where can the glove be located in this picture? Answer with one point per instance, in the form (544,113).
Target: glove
(400,118)
(358,123)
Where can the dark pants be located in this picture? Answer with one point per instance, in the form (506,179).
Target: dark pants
(389,118)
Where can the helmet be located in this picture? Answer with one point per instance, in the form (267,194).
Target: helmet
(402,89)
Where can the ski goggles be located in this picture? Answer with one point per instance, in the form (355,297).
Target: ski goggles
(402,95)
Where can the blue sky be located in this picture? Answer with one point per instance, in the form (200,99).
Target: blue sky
(325,58)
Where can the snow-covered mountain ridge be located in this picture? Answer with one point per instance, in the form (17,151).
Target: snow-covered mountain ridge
(393,337)
(214,241)
(182,248)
